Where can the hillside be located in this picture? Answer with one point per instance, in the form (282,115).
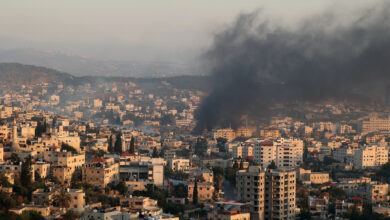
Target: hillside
(15,74)
(18,74)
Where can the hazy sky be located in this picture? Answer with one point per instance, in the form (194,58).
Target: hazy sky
(156,30)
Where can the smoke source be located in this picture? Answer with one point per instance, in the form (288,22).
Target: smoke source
(254,63)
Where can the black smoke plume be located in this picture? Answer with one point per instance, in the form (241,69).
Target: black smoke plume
(255,63)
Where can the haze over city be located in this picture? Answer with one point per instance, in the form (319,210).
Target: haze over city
(151,31)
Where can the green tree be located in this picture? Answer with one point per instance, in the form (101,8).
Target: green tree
(4,181)
(6,202)
(76,179)
(235,165)
(272,165)
(62,199)
(153,192)
(31,215)
(26,172)
(110,145)
(241,164)
(67,147)
(15,158)
(118,143)
(218,182)
(155,153)
(221,144)
(169,173)
(40,128)
(337,193)
(352,213)
(120,187)
(132,145)
(200,146)
(37,176)
(195,194)
(230,174)
(180,191)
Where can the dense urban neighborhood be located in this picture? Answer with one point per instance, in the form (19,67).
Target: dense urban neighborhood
(126,149)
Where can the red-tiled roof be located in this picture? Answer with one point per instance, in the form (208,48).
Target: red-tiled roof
(266,143)
(357,198)
(325,194)
(250,157)
(329,184)
(98,160)
(126,154)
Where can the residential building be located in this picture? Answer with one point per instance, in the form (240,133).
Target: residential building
(100,172)
(205,191)
(280,194)
(226,133)
(271,193)
(377,192)
(180,164)
(229,210)
(370,156)
(250,185)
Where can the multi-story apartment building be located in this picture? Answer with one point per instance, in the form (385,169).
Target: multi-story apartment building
(77,200)
(250,187)
(295,144)
(315,178)
(205,191)
(318,205)
(270,133)
(370,156)
(280,194)
(375,123)
(344,154)
(100,172)
(264,153)
(180,164)
(243,132)
(286,156)
(247,151)
(237,151)
(271,193)
(43,196)
(148,171)
(242,151)
(283,152)
(65,159)
(226,133)
(41,168)
(377,192)
(62,174)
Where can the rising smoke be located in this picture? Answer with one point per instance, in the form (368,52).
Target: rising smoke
(255,63)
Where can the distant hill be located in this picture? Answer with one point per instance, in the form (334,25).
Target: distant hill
(18,74)
(84,66)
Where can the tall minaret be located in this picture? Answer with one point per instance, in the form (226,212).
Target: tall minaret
(15,144)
